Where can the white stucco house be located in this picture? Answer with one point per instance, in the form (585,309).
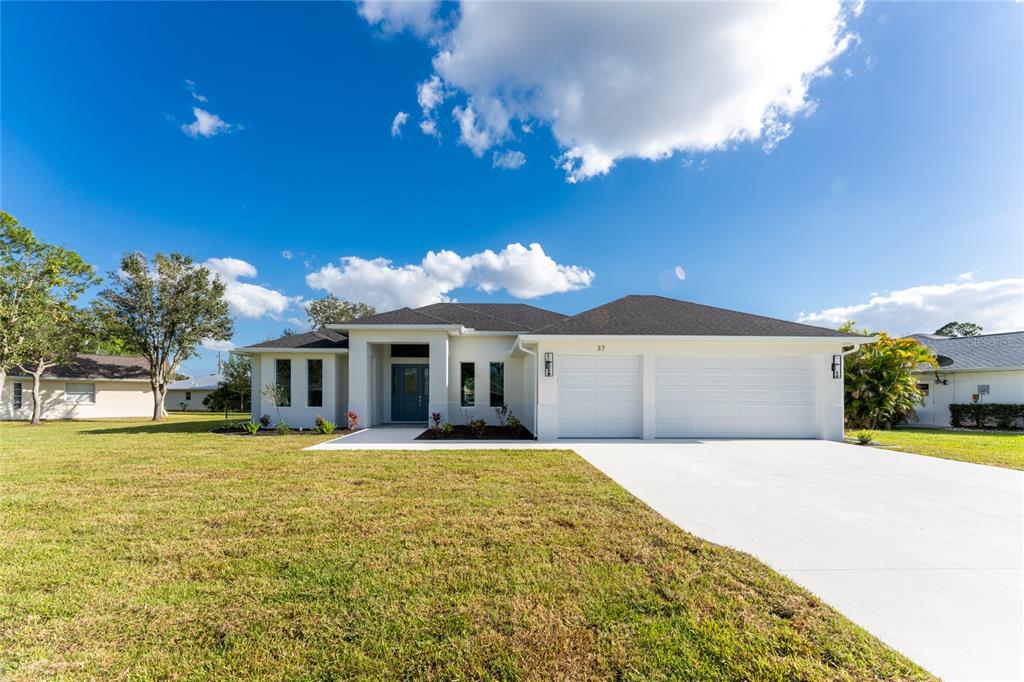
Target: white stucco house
(90,387)
(637,367)
(987,368)
(188,394)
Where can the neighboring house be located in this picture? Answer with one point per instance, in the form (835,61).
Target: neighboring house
(188,394)
(988,369)
(91,386)
(638,367)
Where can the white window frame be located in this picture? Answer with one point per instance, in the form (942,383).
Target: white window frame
(75,397)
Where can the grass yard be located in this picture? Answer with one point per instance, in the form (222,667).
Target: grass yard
(978,447)
(138,551)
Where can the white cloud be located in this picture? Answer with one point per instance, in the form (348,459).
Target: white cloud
(628,80)
(396,124)
(191,86)
(680,273)
(287,254)
(430,93)
(213,344)
(524,272)
(429,127)
(997,305)
(965,276)
(246,299)
(510,159)
(395,16)
(205,124)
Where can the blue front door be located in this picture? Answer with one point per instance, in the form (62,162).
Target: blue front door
(409,393)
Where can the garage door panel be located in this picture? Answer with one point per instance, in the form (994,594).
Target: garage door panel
(735,397)
(599,396)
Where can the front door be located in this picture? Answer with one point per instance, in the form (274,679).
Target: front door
(409,393)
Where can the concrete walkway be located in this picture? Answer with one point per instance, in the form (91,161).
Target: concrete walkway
(926,554)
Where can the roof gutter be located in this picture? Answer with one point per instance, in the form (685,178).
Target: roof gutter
(845,340)
(251,350)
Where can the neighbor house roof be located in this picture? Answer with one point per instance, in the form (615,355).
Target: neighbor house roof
(323,338)
(203,383)
(990,351)
(95,366)
(487,317)
(661,316)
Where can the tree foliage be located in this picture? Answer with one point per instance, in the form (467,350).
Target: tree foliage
(235,388)
(37,282)
(958,329)
(53,336)
(880,389)
(332,310)
(165,309)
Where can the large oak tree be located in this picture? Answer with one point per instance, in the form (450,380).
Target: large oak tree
(165,308)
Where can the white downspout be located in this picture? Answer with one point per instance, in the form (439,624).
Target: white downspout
(536,379)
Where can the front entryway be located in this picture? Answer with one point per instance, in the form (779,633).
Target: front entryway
(409,393)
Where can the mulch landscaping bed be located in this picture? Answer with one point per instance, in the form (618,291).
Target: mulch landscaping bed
(272,431)
(463,432)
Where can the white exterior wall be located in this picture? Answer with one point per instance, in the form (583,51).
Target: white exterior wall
(113,399)
(298,414)
(482,351)
(175,397)
(1005,386)
(829,391)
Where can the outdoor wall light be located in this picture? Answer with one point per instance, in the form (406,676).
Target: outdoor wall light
(837,366)
(549,364)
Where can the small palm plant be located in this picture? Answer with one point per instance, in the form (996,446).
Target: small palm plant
(251,427)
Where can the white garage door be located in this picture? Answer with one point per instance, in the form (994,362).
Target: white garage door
(599,397)
(735,397)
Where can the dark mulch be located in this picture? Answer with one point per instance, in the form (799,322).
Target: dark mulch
(463,432)
(272,431)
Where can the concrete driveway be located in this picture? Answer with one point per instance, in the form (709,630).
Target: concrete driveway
(924,553)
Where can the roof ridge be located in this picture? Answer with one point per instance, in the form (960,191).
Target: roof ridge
(420,312)
(480,312)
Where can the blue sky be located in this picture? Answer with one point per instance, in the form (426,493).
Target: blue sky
(906,175)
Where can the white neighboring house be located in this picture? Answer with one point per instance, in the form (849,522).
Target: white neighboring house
(188,394)
(987,368)
(91,386)
(638,367)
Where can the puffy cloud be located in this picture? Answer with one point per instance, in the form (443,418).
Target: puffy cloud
(396,124)
(213,344)
(619,80)
(395,16)
(997,305)
(524,272)
(510,159)
(205,124)
(246,299)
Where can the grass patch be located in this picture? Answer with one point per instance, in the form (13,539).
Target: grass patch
(144,551)
(978,447)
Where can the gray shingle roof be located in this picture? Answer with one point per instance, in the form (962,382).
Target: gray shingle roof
(491,317)
(95,366)
(989,351)
(324,338)
(661,316)
(203,383)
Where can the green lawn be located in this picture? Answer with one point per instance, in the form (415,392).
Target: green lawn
(138,551)
(979,447)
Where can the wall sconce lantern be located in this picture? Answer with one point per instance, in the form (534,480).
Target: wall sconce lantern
(549,364)
(837,366)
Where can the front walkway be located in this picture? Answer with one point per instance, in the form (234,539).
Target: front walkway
(924,553)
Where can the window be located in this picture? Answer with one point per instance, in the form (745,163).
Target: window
(468,384)
(314,383)
(283,378)
(17,396)
(80,394)
(497,384)
(188,395)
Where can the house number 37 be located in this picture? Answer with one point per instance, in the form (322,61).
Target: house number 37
(600,348)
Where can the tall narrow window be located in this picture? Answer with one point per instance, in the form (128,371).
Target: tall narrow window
(283,378)
(497,384)
(315,383)
(468,384)
(17,396)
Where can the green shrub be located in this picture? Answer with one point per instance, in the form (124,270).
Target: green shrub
(863,437)
(283,429)
(987,415)
(324,426)
(447,428)
(251,427)
(477,426)
(515,425)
